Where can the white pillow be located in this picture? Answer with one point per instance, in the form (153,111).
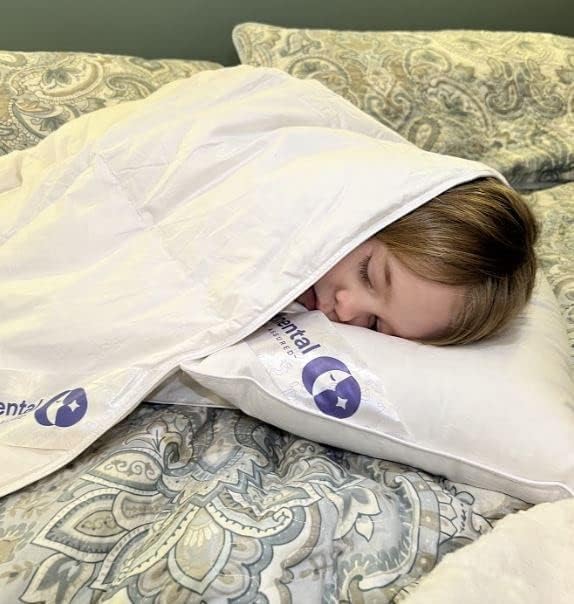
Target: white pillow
(497,414)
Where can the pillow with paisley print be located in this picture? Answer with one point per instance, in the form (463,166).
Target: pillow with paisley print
(40,91)
(504,98)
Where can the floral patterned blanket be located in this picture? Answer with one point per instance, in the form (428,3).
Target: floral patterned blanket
(183,504)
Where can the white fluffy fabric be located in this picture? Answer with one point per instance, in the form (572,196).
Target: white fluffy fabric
(527,559)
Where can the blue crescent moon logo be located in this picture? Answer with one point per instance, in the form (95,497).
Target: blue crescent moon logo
(335,391)
(64,409)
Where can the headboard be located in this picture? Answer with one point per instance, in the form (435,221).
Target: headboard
(201,29)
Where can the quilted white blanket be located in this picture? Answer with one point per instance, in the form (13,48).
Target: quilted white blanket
(164,229)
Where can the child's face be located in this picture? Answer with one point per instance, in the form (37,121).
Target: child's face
(371,288)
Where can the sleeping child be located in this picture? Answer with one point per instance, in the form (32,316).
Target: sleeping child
(453,271)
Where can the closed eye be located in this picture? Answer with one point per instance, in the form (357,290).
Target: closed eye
(364,270)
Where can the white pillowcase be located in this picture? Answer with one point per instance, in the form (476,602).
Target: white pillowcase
(497,414)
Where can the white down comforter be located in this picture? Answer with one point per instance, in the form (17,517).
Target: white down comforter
(168,228)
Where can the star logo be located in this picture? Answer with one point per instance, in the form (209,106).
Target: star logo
(63,410)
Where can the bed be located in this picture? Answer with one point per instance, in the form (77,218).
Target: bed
(195,503)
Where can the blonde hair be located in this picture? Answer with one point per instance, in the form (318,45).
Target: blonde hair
(479,235)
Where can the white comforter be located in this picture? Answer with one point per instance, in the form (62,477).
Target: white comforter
(150,232)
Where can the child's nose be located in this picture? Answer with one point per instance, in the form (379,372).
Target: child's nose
(351,309)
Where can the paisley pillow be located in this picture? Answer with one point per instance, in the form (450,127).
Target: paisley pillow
(504,98)
(554,209)
(40,91)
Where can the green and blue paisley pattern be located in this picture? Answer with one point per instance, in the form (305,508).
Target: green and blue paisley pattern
(40,91)
(554,209)
(504,98)
(184,504)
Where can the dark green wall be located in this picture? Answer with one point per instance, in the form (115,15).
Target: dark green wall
(201,29)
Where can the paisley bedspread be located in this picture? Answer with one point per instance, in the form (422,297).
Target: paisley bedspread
(188,504)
